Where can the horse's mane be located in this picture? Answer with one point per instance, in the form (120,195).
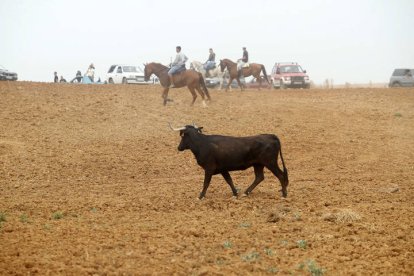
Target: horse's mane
(229,61)
(159,64)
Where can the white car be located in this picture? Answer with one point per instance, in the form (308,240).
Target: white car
(127,74)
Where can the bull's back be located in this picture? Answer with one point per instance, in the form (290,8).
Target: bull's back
(240,153)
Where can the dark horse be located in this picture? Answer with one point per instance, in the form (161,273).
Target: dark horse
(190,78)
(254,70)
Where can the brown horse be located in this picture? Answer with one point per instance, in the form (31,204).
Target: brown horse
(190,78)
(254,70)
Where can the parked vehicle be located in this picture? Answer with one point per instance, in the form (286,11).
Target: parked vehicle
(289,75)
(212,82)
(127,74)
(402,77)
(7,75)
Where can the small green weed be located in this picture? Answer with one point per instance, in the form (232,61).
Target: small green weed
(24,218)
(228,244)
(57,215)
(251,257)
(284,242)
(2,217)
(46,226)
(312,268)
(220,261)
(297,216)
(302,244)
(245,225)
(273,270)
(398,114)
(268,251)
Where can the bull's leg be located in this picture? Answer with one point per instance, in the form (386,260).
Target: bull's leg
(207,179)
(229,181)
(274,168)
(259,176)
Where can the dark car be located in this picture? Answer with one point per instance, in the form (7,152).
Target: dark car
(7,75)
(402,77)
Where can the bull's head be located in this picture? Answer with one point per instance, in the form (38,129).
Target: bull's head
(186,132)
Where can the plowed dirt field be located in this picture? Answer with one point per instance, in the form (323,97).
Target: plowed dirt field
(91,182)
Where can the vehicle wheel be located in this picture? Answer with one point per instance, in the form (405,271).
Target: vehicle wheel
(396,84)
(282,85)
(111,81)
(307,86)
(124,81)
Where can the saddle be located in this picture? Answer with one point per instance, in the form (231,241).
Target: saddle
(246,65)
(181,69)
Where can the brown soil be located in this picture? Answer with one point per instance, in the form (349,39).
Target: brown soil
(91,182)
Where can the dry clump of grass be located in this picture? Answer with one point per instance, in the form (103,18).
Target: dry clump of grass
(279,214)
(342,216)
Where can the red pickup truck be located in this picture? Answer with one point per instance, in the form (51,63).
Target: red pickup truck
(289,75)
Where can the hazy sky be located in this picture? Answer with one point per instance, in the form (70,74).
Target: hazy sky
(352,41)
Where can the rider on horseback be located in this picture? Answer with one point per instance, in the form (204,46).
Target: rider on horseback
(210,63)
(177,65)
(242,61)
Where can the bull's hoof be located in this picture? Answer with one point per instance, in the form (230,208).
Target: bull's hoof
(245,194)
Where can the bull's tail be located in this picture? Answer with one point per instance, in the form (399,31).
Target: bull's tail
(285,171)
(204,87)
(265,74)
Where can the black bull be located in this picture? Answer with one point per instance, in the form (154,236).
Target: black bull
(218,154)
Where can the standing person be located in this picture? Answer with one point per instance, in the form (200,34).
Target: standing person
(91,72)
(211,61)
(242,61)
(178,63)
(56,79)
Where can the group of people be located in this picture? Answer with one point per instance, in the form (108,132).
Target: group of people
(177,66)
(56,78)
(180,59)
(90,73)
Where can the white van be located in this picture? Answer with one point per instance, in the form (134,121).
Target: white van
(127,74)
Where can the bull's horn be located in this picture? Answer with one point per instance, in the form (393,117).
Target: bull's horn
(176,129)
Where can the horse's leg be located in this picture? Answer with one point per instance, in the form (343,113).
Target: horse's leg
(260,81)
(200,91)
(230,81)
(165,95)
(192,93)
(240,85)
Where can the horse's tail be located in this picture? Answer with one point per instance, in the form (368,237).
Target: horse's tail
(203,85)
(265,74)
